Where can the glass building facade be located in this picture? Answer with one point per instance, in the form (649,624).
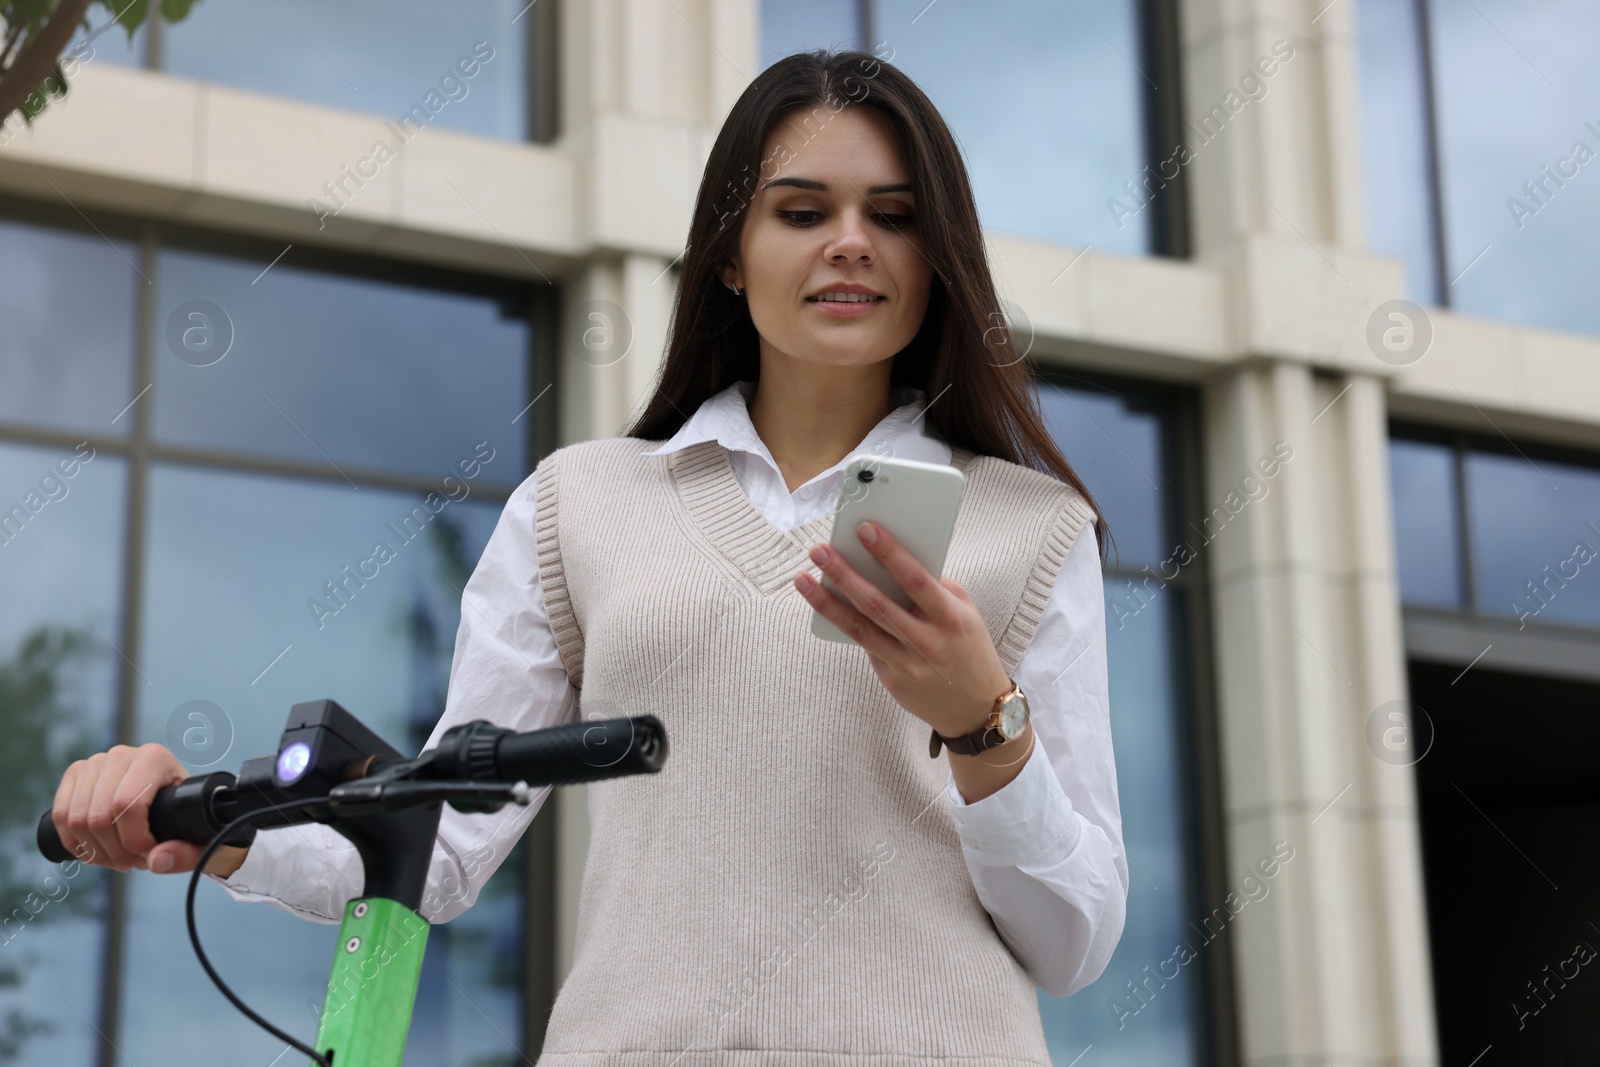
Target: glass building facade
(1480,125)
(197,445)
(1481,121)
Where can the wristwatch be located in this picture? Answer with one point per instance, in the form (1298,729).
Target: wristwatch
(1007,719)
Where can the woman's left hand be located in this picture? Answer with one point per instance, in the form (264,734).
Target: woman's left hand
(937,659)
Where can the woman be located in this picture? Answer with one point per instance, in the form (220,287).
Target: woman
(801,883)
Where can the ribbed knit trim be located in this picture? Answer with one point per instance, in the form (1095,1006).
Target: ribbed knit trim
(552,574)
(767,556)
(1075,514)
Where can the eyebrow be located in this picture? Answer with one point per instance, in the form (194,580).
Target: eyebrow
(821,187)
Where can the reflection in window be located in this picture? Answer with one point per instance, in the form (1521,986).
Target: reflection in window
(1533,524)
(1144,663)
(1397,141)
(66,338)
(235,565)
(1518,92)
(467,72)
(1114,443)
(1118,446)
(1535,538)
(336,370)
(60,556)
(1043,97)
(418,380)
(1427,547)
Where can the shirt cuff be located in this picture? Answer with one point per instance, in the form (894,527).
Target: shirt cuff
(247,873)
(262,869)
(1029,818)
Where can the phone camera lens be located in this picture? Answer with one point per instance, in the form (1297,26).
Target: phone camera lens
(865,476)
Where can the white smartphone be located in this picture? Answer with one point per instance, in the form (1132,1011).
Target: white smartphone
(915,501)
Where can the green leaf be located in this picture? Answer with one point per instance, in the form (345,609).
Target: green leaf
(129,13)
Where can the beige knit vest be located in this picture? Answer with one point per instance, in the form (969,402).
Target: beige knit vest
(789,890)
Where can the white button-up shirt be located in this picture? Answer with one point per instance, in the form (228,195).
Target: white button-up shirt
(1045,851)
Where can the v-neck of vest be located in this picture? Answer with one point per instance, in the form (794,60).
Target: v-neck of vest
(769,557)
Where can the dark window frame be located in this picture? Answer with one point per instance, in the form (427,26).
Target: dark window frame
(539,304)
(1199,739)
(1461,443)
(1560,649)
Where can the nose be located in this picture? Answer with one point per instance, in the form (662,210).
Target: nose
(852,241)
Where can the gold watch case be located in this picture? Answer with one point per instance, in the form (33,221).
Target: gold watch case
(1011,713)
(1008,718)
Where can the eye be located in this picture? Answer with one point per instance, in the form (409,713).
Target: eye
(894,222)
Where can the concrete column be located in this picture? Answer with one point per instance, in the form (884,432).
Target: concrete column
(1333,965)
(1334,962)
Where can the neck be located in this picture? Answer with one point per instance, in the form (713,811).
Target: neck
(810,416)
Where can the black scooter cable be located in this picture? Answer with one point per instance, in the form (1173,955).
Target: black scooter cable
(194,934)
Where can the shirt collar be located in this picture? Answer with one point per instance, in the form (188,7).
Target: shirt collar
(725,418)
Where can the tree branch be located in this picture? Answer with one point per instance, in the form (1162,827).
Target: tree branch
(40,55)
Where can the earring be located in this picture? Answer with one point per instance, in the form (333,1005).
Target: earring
(735,289)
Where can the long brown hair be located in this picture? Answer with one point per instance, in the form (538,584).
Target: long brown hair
(981,394)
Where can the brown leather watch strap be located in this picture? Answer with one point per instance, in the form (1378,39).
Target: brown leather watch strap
(982,739)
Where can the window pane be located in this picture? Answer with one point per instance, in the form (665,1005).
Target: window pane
(334,369)
(60,573)
(1116,449)
(1116,445)
(789,26)
(1427,548)
(1396,141)
(1002,75)
(1535,534)
(1519,95)
(383,58)
(234,564)
(67,313)
(1143,662)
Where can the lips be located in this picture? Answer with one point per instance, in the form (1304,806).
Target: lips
(846,298)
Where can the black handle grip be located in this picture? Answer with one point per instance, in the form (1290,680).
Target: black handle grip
(165,820)
(181,811)
(50,841)
(583,752)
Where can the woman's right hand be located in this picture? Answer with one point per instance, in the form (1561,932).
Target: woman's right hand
(102,813)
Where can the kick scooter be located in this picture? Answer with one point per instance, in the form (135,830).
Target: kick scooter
(331,769)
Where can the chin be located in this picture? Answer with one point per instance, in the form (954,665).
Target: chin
(834,356)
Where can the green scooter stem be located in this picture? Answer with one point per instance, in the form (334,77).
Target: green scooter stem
(373,988)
